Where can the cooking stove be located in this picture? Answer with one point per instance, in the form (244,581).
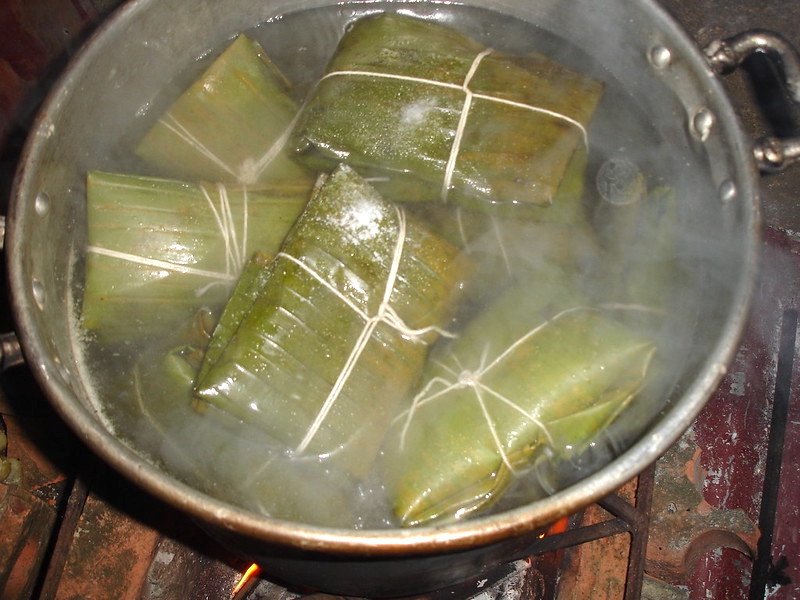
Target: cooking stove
(716,517)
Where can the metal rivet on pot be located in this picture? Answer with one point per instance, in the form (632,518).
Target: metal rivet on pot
(38,293)
(42,203)
(727,191)
(660,57)
(619,182)
(702,124)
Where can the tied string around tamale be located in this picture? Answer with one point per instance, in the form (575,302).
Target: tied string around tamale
(251,170)
(235,249)
(464,378)
(469,97)
(496,229)
(384,314)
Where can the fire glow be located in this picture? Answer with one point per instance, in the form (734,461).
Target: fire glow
(247,577)
(559,526)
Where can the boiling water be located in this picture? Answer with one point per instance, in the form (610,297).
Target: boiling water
(230,460)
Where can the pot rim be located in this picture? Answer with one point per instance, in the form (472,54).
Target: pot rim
(471,533)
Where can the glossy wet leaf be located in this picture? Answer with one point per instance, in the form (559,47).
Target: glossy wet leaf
(393,102)
(224,457)
(160,249)
(230,125)
(342,326)
(518,380)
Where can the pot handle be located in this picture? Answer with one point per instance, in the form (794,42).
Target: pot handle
(772,154)
(10,350)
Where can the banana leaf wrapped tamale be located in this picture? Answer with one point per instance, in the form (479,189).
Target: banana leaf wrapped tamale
(413,99)
(160,249)
(537,370)
(342,326)
(230,125)
(222,456)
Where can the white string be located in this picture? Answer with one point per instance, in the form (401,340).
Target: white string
(632,307)
(551,113)
(159,264)
(384,314)
(493,428)
(461,230)
(473,379)
(524,338)
(454,86)
(176,127)
(390,317)
(325,283)
(467,379)
(501,243)
(462,124)
(251,172)
(235,254)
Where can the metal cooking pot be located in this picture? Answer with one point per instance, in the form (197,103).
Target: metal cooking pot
(144,47)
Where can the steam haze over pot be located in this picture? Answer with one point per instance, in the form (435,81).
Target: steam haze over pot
(646,117)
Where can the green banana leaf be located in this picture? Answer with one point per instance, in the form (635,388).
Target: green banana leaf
(393,101)
(522,378)
(160,249)
(224,457)
(342,326)
(253,278)
(230,125)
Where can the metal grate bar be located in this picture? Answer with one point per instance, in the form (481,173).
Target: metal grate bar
(763,565)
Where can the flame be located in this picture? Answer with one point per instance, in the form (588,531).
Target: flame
(559,526)
(251,573)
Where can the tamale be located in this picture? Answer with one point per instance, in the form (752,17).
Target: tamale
(224,457)
(160,249)
(342,326)
(230,125)
(411,98)
(491,401)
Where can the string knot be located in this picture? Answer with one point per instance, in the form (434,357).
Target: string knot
(385,313)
